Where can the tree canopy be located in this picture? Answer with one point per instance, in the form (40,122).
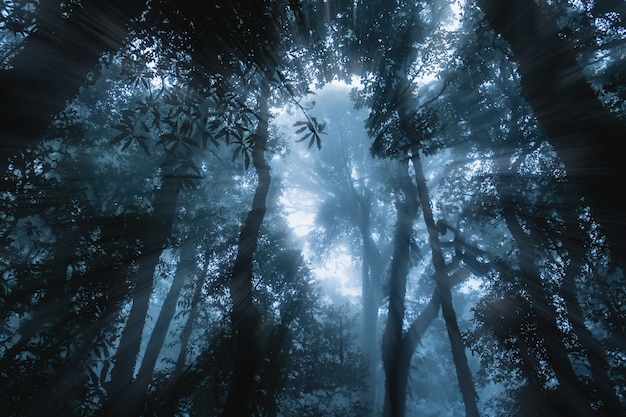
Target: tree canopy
(312,207)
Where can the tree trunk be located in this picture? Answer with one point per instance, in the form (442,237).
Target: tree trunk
(277,354)
(186,267)
(48,313)
(394,360)
(371,270)
(369,323)
(122,399)
(442,289)
(245,316)
(598,362)
(581,129)
(166,405)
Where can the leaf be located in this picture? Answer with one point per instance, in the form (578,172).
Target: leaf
(105,370)
(93,376)
(302,129)
(122,128)
(157,119)
(222,133)
(236,154)
(190,141)
(118,138)
(167,137)
(300,123)
(246,161)
(127,115)
(238,134)
(127,144)
(195,169)
(303,138)
(186,127)
(142,142)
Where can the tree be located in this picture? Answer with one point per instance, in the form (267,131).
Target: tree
(581,129)
(147,267)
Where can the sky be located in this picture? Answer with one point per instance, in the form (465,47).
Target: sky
(338,275)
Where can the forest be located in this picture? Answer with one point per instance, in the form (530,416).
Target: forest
(277,208)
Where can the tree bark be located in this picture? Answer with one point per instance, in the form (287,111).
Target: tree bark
(395,361)
(186,267)
(573,240)
(245,316)
(371,270)
(122,399)
(581,129)
(167,403)
(442,289)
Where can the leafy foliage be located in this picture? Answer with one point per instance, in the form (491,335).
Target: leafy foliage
(313,129)
(182,111)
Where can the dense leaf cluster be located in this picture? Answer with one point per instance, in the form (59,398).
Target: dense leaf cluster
(147,153)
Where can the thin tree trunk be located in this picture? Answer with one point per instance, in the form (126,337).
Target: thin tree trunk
(122,400)
(442,289)
(185,336)
(395,362)
(166,405)
(369,317)
(598,363)
(370,283)
(186,267)
(398,347)
(245,316)
(50,310)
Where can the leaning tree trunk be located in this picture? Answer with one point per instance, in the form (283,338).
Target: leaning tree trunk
(581,129)
(395,362)
(245,316)
(442,289)
(186,267)
(167,403)
(122,400)
(596,356)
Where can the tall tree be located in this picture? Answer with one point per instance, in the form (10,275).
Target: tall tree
(245,316)
(395,361)
(443,293)
(581,129)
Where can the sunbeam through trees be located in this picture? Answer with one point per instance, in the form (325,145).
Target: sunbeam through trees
(279,208)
